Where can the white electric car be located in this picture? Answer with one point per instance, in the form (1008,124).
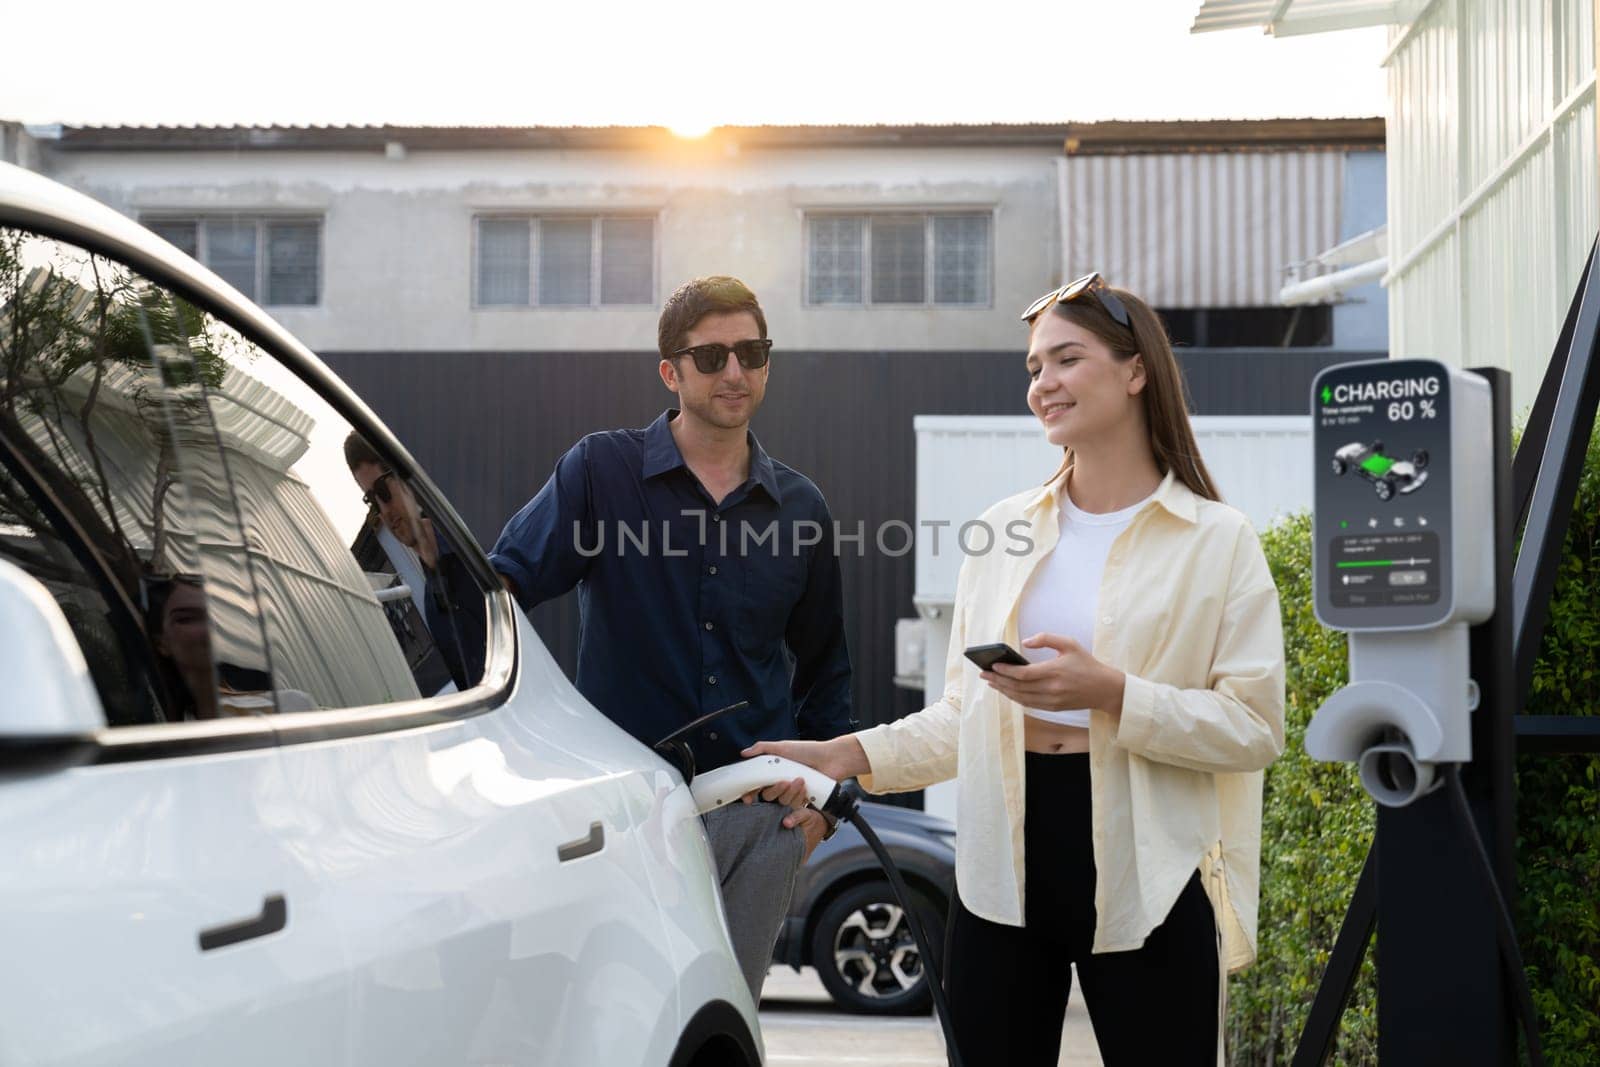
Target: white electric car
(242,820)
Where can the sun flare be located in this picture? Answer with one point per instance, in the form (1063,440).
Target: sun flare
(692,129)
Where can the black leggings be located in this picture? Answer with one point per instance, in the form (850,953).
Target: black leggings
(1008,985)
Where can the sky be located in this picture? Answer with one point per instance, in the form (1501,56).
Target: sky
(690,64)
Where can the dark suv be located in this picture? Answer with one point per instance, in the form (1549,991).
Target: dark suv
(845,921)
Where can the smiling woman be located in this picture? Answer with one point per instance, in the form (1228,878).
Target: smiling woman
(1114,782)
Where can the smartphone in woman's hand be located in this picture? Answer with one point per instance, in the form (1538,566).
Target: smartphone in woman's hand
(986,656)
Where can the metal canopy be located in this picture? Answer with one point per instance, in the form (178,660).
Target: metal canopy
(1286,18)
(1327,276)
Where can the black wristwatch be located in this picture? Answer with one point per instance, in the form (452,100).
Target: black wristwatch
(833,824)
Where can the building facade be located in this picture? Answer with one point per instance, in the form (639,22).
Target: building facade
(856,238)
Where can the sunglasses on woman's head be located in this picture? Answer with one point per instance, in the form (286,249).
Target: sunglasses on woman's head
(1090,283)
(711,358)
(380,491)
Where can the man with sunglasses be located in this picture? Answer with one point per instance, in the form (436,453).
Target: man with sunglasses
(707,575)
(453,607)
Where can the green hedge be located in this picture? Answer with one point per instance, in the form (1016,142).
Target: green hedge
(1558,805)
(1315,829)
(1317,825)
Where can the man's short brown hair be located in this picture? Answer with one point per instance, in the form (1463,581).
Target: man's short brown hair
(694,300)
(357,451)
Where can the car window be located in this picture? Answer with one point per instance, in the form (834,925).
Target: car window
(363,599)
(113,646)
(224,504)
(112,462)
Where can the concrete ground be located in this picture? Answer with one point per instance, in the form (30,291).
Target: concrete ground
(802,1026)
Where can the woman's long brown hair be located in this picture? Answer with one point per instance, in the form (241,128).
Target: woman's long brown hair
(1166,400)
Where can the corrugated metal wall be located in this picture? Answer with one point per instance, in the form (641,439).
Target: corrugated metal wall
(1422,187)
(1493,202)
(488,427)
(1199,229)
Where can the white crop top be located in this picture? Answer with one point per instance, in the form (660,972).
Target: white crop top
(1063,593)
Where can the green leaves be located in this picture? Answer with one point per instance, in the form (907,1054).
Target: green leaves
(1558,805)
(1316,827)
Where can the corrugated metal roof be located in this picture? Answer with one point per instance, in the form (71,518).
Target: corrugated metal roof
(536,137)
(1285,18)
(1199,230)
(1118,136)
(1121,137)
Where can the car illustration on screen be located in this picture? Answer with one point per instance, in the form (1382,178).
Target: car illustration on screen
(1387,474)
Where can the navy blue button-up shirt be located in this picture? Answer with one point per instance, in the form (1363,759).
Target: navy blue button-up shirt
(454,613)
(686,605)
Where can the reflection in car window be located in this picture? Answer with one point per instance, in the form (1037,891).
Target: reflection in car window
(109,442)
(120,665)
(327,632)
(201,492)
(425,582)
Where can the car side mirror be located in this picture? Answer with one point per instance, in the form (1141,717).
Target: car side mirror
(48,693)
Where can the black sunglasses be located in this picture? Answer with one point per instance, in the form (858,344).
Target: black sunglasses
(1090,283)
(711,358)
(176,578)
(380,492)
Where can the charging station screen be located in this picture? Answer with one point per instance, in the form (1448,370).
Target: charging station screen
(1382,520)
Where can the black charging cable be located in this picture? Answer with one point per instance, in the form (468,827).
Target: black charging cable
(1505,931)
(845,805)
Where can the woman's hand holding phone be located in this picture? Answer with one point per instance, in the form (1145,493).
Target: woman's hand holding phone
(1073,679)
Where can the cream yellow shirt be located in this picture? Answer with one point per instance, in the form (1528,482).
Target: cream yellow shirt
(1188,611)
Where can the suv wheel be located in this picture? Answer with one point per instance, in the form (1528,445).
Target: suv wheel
(864,952)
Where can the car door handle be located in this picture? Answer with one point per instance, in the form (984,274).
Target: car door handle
(584,846)
(274,917)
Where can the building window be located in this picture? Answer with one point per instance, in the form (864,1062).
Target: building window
(940,258)
(1304,326)
(565,261)
(273,261)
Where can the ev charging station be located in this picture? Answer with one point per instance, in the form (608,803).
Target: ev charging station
(1411,553)
(1403,562)
(1436,742)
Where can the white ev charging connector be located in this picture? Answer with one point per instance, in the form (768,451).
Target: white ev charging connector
(1403,558)
(724,785)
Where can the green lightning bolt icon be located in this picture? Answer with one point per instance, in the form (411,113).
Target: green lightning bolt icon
(1327,394)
